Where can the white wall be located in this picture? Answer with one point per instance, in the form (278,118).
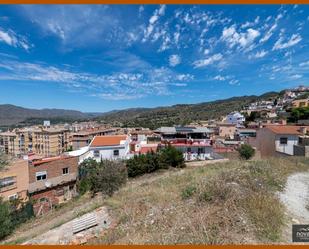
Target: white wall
(286,148)
(107,152)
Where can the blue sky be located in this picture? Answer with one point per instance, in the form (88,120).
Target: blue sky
(106,57)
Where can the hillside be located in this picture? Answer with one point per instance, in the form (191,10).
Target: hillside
(12,115)
(219,203)
(146,117)
(180,114)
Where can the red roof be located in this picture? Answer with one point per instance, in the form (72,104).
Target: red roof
(144,150)
(49,159)
(100,141)
(287,129)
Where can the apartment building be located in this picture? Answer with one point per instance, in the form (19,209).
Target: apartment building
(9,143)
(44,141)
(300,103)
(14,180)
(52,181)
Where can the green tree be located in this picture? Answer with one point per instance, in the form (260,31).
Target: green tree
(105,176)
(6,226)
(172,157)
(246,151)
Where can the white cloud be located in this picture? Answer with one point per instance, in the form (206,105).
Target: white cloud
(234,82)
(303,64)
(12,39)
(7,38)
(152,21)
(210,60)
(259,54)
(206,51)
(244,40)
(296,76)
(250,24)
(295,38)
(220,78)
(184,77)
(141,10)
(77,25)
(269,33)
(174,60)
(115,86)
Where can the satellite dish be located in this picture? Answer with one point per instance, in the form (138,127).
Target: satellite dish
(47,184)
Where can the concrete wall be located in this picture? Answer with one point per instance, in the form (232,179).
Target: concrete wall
(227,131)
(286,148)
(47,199)
(265,142)
(107,152)
(301,150)
(18,169)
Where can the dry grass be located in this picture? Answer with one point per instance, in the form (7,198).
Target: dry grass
(225,203)
(57,217)
(217,204)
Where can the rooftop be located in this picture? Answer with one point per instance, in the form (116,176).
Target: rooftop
(178,129)
(99,141)
(49,159)
(287,129)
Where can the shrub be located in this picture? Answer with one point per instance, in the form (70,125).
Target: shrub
(172,157)
(6,226)
(20,212)
(163,159)
(246,151)
(109,177)
(105,177)
(188,192)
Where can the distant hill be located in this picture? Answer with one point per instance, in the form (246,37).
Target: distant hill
(180,114)
(13,115)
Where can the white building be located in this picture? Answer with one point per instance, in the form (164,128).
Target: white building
(274,140)
(109,147)
(235,118)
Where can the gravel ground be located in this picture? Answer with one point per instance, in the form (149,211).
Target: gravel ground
(295,197)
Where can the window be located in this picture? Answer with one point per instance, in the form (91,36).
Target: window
(65,171)
(8,182)
(201,150)
(13,197)
(283,140)
(40,176)
(96,153)
(43,199)
(116,152)
(189,150)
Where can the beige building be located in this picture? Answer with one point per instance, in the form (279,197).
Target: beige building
(300,103)
(225,130)
(14,180)
(9,143)
(41,141)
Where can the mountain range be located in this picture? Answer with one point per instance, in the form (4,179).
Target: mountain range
(179,114)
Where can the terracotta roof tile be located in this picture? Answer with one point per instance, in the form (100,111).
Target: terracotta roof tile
(286,129)
(99,141)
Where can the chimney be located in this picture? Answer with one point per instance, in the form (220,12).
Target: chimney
(303,130)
